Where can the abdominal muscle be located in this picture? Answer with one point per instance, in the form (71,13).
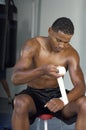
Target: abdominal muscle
(43,82)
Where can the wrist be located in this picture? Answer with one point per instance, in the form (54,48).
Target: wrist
(42,70)
(64,101)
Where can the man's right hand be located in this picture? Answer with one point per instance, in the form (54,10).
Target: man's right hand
(54,105)
(51,70)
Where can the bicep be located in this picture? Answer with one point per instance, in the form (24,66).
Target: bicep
(75,71)
(26,59)
(23,64)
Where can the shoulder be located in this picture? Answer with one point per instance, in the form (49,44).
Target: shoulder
(32,46)
(73,52)
(34,42)
(73,55)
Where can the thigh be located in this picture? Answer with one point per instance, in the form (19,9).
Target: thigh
(25,101)
(73,107)
(70,109)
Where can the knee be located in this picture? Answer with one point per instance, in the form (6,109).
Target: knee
(21,105)
(81,103)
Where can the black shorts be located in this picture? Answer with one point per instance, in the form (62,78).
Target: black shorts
(40,98)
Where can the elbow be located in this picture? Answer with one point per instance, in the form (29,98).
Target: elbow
(83,91)
(14,80)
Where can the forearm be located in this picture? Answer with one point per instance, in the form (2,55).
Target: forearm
(76,93)
(23,77)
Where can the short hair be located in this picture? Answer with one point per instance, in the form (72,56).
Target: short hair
(63,24)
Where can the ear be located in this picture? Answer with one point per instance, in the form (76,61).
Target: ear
(50,31)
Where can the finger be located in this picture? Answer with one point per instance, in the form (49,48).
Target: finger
(45,105)
(51,105)
(54,108)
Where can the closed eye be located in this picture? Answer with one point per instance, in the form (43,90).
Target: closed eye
(58,40)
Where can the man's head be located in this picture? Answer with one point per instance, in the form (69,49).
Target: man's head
(64,25)
(60,33)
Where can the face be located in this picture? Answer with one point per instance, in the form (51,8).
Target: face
(58,40)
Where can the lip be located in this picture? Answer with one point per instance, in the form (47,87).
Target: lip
(57,49)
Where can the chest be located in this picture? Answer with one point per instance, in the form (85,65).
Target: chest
(46,57)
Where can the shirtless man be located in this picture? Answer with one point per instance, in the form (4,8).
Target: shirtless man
(37,67)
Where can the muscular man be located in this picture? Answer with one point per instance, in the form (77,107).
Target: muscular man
(37,68)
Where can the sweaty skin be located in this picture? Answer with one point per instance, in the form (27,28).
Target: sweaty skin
(37,67)
(38,61)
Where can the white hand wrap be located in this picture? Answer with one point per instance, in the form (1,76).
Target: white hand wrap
(61,85)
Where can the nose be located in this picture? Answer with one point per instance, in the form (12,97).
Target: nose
(61,44)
